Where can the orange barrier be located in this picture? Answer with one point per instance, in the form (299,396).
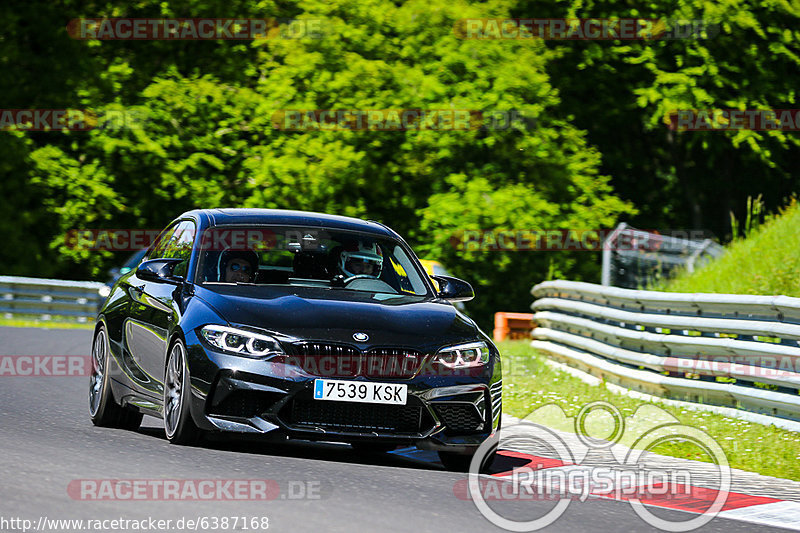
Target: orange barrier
(512,325)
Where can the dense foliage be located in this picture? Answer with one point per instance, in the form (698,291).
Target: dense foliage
(594,148)
(765,262)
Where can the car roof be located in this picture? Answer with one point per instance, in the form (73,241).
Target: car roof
(248,216)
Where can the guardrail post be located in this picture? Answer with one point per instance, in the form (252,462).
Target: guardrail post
(740,351)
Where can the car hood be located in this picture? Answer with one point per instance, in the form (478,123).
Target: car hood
(335,315)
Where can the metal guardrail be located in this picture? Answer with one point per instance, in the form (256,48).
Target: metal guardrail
(722,349)
(48,298)
(631,257)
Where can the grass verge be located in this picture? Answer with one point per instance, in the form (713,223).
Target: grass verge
(529,383)
(766,262)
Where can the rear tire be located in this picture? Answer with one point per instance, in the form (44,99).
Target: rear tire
(178,424)
(103,409)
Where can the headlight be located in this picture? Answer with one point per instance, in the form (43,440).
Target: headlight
(104,291)
(464,355)
(241,342)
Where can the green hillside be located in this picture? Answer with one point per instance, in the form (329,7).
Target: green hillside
(766,262)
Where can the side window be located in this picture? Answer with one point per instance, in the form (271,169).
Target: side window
(179,246)
(157,252)
(409,281)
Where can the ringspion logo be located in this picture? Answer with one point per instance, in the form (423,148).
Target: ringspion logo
(562,475)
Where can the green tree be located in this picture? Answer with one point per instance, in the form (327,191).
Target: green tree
(203,135)
(621,91)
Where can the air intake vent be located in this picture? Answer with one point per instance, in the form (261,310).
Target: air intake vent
(459,417)
(340,360)
(345,417)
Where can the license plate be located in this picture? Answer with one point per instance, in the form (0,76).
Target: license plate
(360,391)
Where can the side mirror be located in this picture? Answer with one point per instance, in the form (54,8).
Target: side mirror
(454,289)
(159,270)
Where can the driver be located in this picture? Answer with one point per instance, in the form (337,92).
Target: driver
(238,266)
(361,260)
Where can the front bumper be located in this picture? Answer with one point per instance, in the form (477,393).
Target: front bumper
(443,412)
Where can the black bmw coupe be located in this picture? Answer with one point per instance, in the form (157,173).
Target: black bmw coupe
(294,325)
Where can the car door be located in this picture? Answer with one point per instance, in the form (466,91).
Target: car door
(153,310)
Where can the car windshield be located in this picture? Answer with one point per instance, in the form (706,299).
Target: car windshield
(309,257)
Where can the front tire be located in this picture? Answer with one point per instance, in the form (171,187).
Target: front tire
(178,424)
(103,409)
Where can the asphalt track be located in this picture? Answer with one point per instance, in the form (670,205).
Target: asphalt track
(47,441)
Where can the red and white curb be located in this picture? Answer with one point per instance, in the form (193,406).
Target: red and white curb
(749,508)
(778,513)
